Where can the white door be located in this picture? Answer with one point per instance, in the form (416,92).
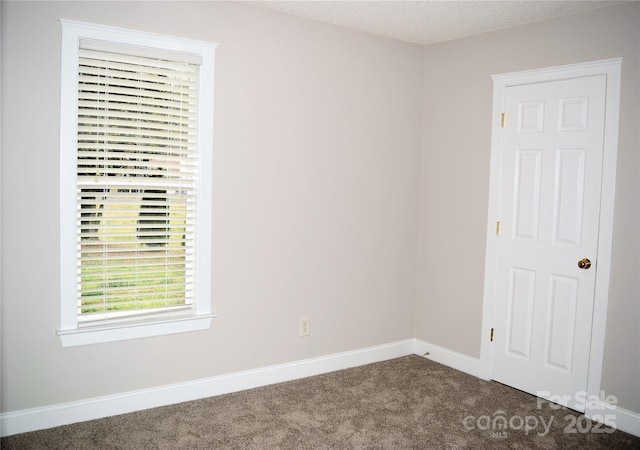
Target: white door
(550,187)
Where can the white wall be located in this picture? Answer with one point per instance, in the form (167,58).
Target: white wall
(455,178)
(317,141)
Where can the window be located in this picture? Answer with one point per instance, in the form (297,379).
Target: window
(135,184)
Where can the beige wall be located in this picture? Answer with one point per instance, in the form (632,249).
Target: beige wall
(340,159)
(317,140)
(455,178)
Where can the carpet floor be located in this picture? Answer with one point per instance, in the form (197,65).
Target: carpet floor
(404,403)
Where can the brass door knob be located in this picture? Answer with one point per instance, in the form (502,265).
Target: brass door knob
(584,263)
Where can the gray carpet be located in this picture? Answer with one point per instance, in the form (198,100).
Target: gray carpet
(404,403)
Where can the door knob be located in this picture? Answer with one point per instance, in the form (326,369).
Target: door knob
(584,263)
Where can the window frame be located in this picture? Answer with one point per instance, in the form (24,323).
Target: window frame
(199,317)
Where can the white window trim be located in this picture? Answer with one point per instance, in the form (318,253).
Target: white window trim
(198,318)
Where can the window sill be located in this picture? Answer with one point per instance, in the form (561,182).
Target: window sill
(133,330)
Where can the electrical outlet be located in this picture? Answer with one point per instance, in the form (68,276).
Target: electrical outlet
(305,326)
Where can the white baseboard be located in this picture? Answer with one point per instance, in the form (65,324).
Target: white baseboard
(619,418)
(449,358)
(95,408)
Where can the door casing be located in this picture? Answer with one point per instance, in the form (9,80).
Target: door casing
(611,68)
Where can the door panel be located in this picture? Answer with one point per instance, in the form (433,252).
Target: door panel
(521,301)
(569,194)
(549,211)
(528,168)
(563,300)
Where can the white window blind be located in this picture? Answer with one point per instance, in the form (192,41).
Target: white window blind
(137,178)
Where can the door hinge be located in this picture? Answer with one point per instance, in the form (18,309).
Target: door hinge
(497,228)
(491,338)
(502,120)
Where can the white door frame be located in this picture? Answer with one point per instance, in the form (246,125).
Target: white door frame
(611,68)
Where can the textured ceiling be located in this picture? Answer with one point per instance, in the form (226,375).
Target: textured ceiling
(429,21)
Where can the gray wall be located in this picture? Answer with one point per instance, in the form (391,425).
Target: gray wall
(340,160)
(455,178)
(317,140)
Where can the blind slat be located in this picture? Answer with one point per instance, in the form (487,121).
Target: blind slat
(91,103)
(156,135)
(118,71)
(129,123)
(120,98)
(125,92)
(123,147)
